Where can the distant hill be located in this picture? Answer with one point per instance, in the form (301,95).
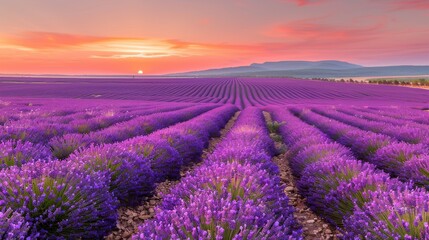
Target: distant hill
(296,65)
(308,69)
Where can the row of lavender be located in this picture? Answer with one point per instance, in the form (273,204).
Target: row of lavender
(402,130)
(415,115)
(235,194)
(365,203)
(14,110)
(365,113)
(78,197)
(42,129)
(64,145)
(60,110)
(40,125)
(406,160)
(18,152)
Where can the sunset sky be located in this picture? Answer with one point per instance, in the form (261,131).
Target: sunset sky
(165,36)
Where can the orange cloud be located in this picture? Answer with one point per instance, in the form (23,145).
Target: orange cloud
(49,40)
(114,47)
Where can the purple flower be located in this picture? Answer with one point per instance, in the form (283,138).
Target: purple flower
(209,215)
(165,161)
(366,144)
(59,200)
(320,178)
(241,181)
(316,153)
(243,154)
(13,225)
(395,214)
(34,131)
(83,126)
(189,147)
(130,175)
(16,153)
(342,201)
(65,145)
(145,125)
(417,169)
(392,157)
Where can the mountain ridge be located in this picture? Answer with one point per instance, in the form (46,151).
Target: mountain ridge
(310,69)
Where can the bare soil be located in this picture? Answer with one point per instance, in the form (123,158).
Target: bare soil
(129,218)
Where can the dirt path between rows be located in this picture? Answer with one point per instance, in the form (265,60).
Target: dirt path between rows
(313,226)
(129,218)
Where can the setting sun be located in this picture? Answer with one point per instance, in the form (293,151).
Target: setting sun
(140,72)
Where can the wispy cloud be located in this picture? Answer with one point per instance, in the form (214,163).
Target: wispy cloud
(411,4)
(115,47)
(305,2)
(49,40)
(314,31)
(395,4)
(398,5)
(101,47)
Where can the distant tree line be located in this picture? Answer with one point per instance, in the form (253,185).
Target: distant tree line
(339,80)
(414,82)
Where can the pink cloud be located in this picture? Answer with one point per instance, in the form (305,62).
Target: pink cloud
(312,30)
(397,4)
(305,2)
(412,4)
(404,4)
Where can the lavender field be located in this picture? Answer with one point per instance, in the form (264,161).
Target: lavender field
(212,158)
(242,92)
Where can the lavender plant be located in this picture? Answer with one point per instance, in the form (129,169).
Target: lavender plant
(320,178)
(343,200)
(65,145)
(188,146)
(417,169)
(17,153)
(394,214)
(240,181)
(59,199)
(244,154)
(209,215)
(165,161)
(13,225)
(317,153)
(130,176)
(393,156)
